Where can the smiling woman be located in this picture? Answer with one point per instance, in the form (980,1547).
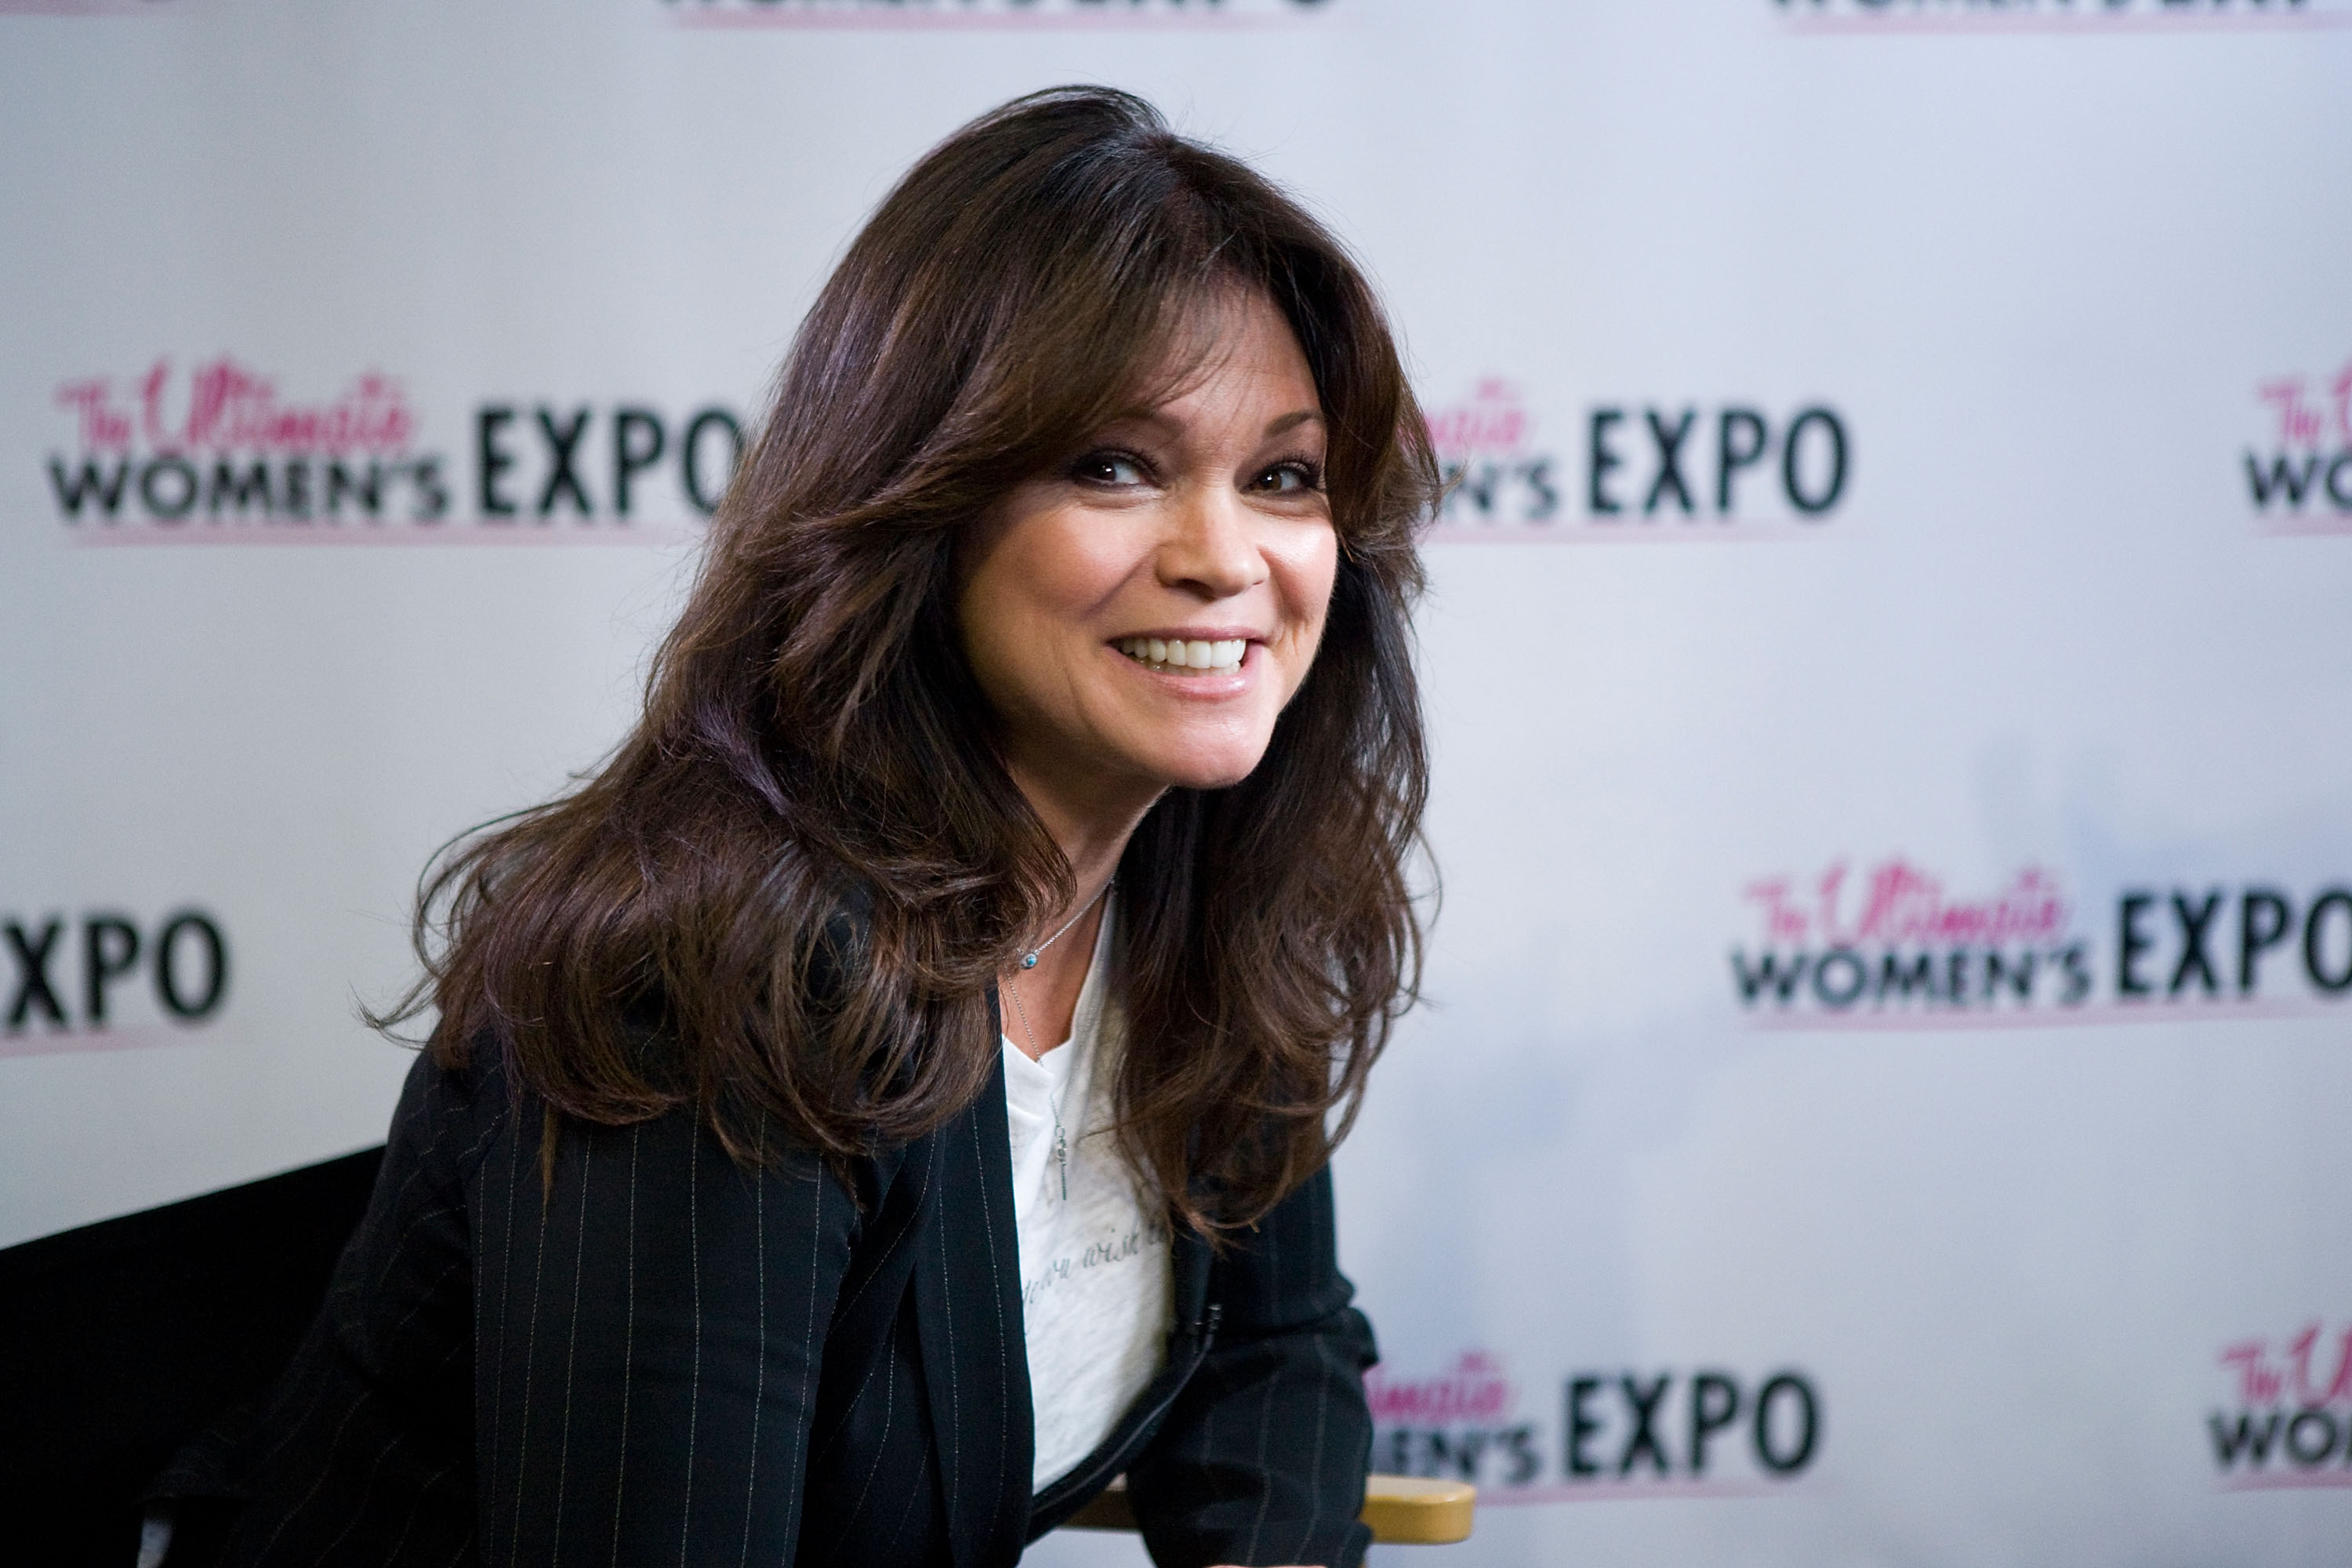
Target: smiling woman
(1051,646)
(1139,617)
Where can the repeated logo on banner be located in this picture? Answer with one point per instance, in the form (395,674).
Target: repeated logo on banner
(214,452)
(2299,473)
(180,434)
(98,979)
(983,12)
(1657,1432)
(1637,471)
(91,8)
(2287,1418)
(1889,946)
(2059,15)
(2286,1421)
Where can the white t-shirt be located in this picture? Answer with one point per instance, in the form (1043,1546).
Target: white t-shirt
(1095,1288)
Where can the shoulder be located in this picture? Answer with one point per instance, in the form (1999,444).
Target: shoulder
(452,1105)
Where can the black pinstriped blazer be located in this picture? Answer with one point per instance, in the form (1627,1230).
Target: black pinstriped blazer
(664,1359)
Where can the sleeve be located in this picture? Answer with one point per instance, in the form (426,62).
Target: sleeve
(1262,1458)
(649,1330)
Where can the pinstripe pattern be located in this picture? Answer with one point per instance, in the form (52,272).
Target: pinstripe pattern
(1262,1455)
(664,1359)
(628,1344)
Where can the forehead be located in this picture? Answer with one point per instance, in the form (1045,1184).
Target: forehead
(1232,345)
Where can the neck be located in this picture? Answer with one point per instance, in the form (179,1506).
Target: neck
(1089,825)
(1091,828)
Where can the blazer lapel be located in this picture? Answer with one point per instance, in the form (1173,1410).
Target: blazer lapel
(975,1358)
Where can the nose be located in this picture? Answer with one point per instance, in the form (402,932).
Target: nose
(1211,549)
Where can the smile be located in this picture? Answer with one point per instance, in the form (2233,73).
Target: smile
(1181,657)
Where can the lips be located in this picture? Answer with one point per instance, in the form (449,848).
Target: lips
(1180,656)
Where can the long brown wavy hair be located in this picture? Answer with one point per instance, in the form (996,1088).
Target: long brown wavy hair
(807,863)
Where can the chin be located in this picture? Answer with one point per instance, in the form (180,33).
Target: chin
(1220,770)
(1193,751)
(1223,779)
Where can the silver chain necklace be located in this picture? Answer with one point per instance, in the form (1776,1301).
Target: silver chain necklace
(1052,1101)
(1029,958)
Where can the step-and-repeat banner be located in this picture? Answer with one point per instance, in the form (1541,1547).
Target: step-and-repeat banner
(1885,1089)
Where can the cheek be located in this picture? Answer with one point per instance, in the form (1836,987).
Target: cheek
(1306,575)
(1034,607)
(994,612)
(1035,571)
(984,610)
(1064,574)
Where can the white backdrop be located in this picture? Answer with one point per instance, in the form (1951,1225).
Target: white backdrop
(1898,878)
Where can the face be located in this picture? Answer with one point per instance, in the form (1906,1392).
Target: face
(1138,617)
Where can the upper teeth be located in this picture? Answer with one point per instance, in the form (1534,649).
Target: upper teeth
(1224,654)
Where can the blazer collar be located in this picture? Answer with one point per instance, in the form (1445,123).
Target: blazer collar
(975,1357)
(975,1349)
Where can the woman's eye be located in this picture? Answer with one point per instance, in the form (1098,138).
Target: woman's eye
(1289,478)
(1109,468)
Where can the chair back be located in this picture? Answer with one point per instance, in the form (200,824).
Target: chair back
(122,1340)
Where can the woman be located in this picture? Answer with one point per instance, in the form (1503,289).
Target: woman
(1051,648)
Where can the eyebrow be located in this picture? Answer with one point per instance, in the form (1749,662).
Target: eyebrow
(1290,421)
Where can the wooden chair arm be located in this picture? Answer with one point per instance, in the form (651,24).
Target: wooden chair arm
(1404,1510)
